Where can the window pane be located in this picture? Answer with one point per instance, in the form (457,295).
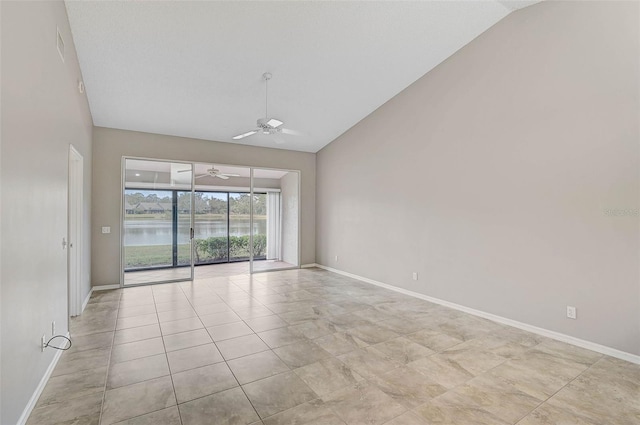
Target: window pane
(147,228)
(210,227)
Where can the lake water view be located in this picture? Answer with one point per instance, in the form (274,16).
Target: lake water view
(159,231)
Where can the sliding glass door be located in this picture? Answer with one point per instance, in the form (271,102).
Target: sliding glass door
(224,219)
(274,219)
(157,228)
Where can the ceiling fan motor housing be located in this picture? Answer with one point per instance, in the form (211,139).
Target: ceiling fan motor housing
(263,124)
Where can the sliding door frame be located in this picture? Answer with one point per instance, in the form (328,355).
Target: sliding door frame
(193,190)
(299,174)
(175,207)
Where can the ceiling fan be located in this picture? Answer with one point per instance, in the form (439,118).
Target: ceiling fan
(266,125)
(213,172)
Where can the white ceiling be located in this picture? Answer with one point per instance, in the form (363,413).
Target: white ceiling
(194,69)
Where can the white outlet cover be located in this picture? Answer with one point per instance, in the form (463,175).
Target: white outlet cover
(571,312)
(106,229)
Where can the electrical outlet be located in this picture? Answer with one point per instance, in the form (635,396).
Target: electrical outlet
(106,230)
(571,312)
(53,328)
(336,258)
(415,275)
(43,342)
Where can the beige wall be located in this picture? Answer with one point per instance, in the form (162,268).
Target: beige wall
(42,113)
(492,175)
(109,147)
(289,212)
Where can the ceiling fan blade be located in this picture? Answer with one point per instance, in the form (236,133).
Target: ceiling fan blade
(291,132)
(278,139)
(229,175)
(202,175)
(184,171)
(222,176)
(243,135)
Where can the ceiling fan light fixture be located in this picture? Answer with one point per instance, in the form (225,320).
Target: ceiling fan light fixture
(274,122)
(242,136)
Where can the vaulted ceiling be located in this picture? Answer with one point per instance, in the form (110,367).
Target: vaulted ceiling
(194,68)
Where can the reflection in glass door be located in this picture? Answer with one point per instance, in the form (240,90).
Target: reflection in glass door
(157,222)
(274,219)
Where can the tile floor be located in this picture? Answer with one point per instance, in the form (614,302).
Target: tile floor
(312,347)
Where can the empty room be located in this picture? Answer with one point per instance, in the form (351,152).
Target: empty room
(320,212)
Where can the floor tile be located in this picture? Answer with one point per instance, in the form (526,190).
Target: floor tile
(83,410)
(550,415)
(408,386)
(257,366)
(137,399)
(340,343)
(408,418)
(91,342)
(180,325)
(265,323)
(124,336)
(77,384)
(138,370)
(301,353)
(313,412)
(434,340)
(229,330)
(81,360)
(363,404)
(171,315)
(313,329)
(135,321)
(448,409)
(241,346)
(211,309)
(497,397)
(327,375)
(369,362)
(193,357)
(219,318)
(168,416)
(279,337)
(172,305)
(139,310)
(136,350)
(229,407)
(403,350)
(202,381)
(373,333)
(186,339)
(277,393)
(449,375)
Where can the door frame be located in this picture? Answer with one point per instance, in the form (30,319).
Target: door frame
(122,218)
(75,231)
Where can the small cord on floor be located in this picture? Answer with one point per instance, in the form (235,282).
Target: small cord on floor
(58,348)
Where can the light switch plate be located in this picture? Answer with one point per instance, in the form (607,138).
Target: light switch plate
(106,229)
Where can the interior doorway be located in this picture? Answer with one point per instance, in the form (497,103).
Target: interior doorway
(75,225)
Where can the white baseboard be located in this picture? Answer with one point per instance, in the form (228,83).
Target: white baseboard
(609,351)
(308,266)
(86,301)
(43,383)
(105,287)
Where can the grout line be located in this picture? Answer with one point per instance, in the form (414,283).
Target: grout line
(166,356)
(106,379)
